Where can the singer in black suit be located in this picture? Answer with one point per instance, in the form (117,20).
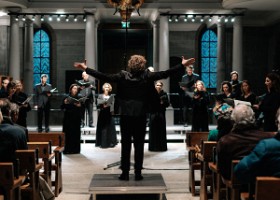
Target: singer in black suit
(133,96)
(42,93)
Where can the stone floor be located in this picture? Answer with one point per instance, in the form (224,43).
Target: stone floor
(79,169)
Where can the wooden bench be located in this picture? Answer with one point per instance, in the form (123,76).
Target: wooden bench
(266,188)
(9,182)
(233,186)
(218,187)
(44,153)
(193,139)
(57,140)
(206,156)
(30,168)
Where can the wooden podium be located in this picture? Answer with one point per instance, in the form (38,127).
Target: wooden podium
(108,186)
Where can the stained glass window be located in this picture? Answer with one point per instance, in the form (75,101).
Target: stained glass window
(41,55)
(209,58)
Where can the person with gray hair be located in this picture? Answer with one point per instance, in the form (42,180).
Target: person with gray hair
(240,141)
(264,160)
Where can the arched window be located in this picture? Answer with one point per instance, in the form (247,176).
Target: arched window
(209,58)
(41,55)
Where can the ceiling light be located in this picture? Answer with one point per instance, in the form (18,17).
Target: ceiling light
(50,18)
(232,19)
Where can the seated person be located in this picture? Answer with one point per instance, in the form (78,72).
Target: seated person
(221,107)
(224,125)
(264,160)
(240,141)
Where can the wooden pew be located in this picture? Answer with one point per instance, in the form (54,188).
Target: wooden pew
(9,182)
(218,187)
(193,139)
(205,156)
(266,188)
(233,186)
(30,168)
(44,153)
(58,140)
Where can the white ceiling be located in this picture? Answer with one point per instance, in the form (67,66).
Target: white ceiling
(257,11)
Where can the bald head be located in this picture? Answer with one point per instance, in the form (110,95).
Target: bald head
(243,114)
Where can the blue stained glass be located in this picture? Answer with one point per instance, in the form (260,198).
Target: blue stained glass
(36,79)
(209,58)
(213,36)
(44,37)
(37,65)
(213,80)
(45,65)
(205,79)
(36,49)
(204,64)
(205,49)
(213,49)
(45,49)
(205,36)
(37,36)
(41,55)
(213,65)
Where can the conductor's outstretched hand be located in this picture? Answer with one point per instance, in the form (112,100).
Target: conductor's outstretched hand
(187,62)
(81,65)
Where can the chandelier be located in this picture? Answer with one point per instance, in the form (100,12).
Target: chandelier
(126,7)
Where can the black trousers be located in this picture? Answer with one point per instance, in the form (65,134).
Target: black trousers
(87,107)
(133,129)
(43,111)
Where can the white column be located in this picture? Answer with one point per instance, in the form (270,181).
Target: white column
(28,57)
(164,48)
(14,58)
(221,76)
(90,53)
(237,52)
(155,45)
(96,45)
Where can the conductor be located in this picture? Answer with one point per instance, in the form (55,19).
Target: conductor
(133,87)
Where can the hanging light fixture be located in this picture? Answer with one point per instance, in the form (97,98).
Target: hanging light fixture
(126,7)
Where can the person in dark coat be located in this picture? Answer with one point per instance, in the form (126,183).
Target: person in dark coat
(240,141)
(106,130)
(271,102)
(200,103)
(133,88)
(42,102)
(188,81)
(87,89)
(157,123)
(71,121)
(236,84)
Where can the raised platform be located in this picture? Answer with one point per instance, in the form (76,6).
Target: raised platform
(108,186)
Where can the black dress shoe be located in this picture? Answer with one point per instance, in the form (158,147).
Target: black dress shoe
(138,177)
(124,177)
(47,130)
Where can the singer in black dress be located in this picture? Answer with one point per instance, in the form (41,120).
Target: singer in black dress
(157,125)
(71,121)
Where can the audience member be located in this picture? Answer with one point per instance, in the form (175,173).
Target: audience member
(271,102)
(224,126)
(157,123)
(105,129)
(42,93)
(200,103)
(12,137)
(71,121)
(264,160)
(133,86)
(188,80)
(87,105)
(240,141)
(221,107)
